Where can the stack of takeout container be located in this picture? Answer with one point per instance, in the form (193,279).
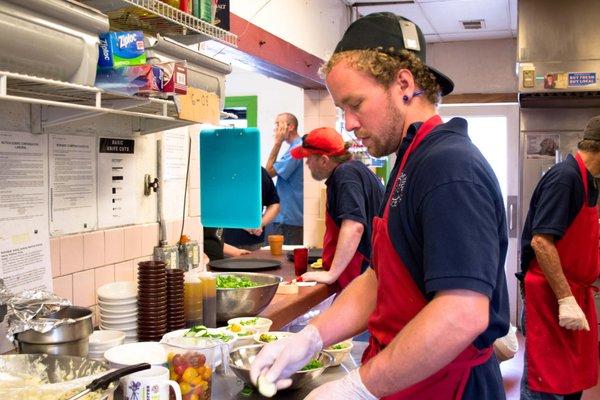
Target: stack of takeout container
(175,315)
(152,300)
(117,304)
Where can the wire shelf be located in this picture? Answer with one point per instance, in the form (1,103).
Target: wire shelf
(155,16)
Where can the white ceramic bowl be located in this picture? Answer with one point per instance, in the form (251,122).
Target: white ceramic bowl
(222,330)
(244,335)
(118,320)
(126,326)
(259,324)
(133,353)
(100,341)
(268,337)
(117,291)
(129,311)
(339,355)
(123,308)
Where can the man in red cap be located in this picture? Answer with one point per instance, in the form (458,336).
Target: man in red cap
(435,297)
(354,195)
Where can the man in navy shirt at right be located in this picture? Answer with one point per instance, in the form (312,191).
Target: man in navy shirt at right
(435,297)
(559,261)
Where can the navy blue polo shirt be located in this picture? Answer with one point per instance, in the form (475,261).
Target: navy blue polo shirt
(354,192)
(447,222)
(238,237)
(556,201)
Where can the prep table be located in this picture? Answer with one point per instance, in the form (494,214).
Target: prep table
(284,308)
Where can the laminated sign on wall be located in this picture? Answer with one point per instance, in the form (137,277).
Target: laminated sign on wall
(116,182)
(24,237)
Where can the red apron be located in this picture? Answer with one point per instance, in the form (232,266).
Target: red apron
(330,239)
(559,360)
(399,300)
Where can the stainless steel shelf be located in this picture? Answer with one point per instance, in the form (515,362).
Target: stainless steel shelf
(155,16)
(63,102)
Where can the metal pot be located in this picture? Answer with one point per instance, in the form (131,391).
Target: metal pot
(70,338)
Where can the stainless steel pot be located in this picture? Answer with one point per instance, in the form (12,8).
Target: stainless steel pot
(71,338)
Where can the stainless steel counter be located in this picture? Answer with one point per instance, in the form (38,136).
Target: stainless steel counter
(229,387)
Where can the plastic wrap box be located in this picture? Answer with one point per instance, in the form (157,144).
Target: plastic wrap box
(55,39)
(138,79)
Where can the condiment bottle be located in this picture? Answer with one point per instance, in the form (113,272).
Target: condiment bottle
(192,300)
(209,299)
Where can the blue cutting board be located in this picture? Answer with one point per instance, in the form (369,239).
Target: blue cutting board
(230,178)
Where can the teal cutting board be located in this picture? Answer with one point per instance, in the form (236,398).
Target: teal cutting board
(230,178)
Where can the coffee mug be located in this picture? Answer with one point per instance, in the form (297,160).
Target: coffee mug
(150,384)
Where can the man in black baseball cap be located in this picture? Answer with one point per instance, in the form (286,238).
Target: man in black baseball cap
(435,297)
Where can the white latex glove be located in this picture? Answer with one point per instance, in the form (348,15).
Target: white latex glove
(507,346)
(570,315)
(319,276)
(348,387)
(280,359)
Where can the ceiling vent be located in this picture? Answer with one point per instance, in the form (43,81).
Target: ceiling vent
(473,24)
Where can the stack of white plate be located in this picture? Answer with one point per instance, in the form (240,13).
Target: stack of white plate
(100,341)
(117,302)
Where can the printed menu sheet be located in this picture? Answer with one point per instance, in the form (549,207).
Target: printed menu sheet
(73,206)
(24,236)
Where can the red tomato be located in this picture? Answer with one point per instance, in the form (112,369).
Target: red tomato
(178,360)
(197,360)
(180,369)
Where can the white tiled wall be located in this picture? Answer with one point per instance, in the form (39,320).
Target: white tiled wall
(83,262)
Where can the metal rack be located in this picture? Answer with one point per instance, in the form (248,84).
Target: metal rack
(63,102)
(155,16)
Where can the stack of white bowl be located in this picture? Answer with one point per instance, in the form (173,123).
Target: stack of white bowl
(100,341)
(117,302)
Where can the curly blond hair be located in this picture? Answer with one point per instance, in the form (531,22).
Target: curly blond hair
(384,66)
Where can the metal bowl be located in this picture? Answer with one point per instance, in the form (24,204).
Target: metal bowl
(70,338)
(246,302)
(58,371)
(241,358)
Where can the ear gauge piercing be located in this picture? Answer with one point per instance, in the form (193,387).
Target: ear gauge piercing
(405,98)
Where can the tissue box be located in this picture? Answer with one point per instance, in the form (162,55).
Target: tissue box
(120,49)
(174,77)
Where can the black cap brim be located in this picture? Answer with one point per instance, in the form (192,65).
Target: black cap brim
(446,84)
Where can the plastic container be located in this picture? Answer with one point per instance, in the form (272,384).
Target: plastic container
(276,244)
(191,363)
(192,300)
(209,299)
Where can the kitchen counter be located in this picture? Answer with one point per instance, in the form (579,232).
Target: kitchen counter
(229,386)
(284,308)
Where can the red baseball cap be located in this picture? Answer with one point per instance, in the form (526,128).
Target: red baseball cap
(321,141)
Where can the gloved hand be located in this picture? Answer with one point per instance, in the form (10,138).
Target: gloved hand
(348,387)
(570,315)
(280,359)
(507,346)
(320,276)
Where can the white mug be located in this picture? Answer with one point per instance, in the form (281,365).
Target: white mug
(149,384)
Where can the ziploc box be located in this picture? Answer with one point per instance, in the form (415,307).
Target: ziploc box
(136,79)
(121,49)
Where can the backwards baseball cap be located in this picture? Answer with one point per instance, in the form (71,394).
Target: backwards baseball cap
(390,33)
(592,129)
(320,141)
